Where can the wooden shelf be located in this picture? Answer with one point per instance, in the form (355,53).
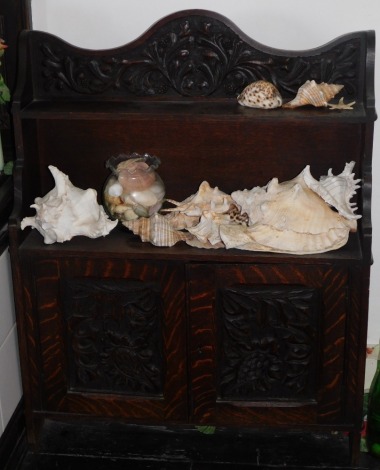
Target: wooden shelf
(122,244)
(222,110)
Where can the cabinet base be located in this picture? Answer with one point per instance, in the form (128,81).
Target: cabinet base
(114,446)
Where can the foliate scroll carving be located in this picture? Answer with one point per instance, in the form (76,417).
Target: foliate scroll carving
(114,336)
(193,56)
(268,342)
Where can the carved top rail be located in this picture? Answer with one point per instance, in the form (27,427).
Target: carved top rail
(189,55)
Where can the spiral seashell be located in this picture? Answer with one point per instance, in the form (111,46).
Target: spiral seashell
(260,94)
(311,93)
(156,230)
(336,190)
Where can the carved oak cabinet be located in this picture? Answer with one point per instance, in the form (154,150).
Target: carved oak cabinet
(119,330)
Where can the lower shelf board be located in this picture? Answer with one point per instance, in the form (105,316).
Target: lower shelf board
(110,446)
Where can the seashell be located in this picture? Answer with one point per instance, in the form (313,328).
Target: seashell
(249,202)
(206,198)
(194,242)
(265,238)
(156,230)
(67,211)
(180,221)
(294,220)
(336,190)
(115,190)
(260,94)
(288,217)
(311,93)
(207,231)
(145,198)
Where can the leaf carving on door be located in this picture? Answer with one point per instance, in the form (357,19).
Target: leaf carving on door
(268,341)
(114,336)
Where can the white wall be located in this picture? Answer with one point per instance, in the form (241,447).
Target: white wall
(291,24)
(10,381)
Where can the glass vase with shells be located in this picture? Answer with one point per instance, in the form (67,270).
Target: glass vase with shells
(134,189)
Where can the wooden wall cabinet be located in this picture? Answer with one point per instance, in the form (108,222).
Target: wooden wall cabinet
(114,328)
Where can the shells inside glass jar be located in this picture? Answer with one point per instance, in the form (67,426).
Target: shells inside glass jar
(134,189)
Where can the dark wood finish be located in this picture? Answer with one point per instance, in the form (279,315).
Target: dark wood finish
(112,446)
(117,329)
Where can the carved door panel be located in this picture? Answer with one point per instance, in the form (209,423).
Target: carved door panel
(112,338)
(267,343)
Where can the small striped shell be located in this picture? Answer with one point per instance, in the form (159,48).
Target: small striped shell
(156,230)
(260,94)
(312,93)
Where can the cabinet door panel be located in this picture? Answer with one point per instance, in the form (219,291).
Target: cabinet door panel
(267,336)
(113,338)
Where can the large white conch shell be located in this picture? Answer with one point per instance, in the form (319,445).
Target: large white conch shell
(67,211)
(291,217)
(336,190)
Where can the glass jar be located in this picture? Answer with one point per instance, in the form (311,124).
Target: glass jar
(134,189)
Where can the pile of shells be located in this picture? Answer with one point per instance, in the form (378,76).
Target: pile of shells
(300,216)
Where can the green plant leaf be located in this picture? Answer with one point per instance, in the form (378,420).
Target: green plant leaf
(8,168)
(5,95)
(206,429)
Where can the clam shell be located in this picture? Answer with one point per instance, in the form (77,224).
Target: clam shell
(312,93)
(260,94)
(156,230)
